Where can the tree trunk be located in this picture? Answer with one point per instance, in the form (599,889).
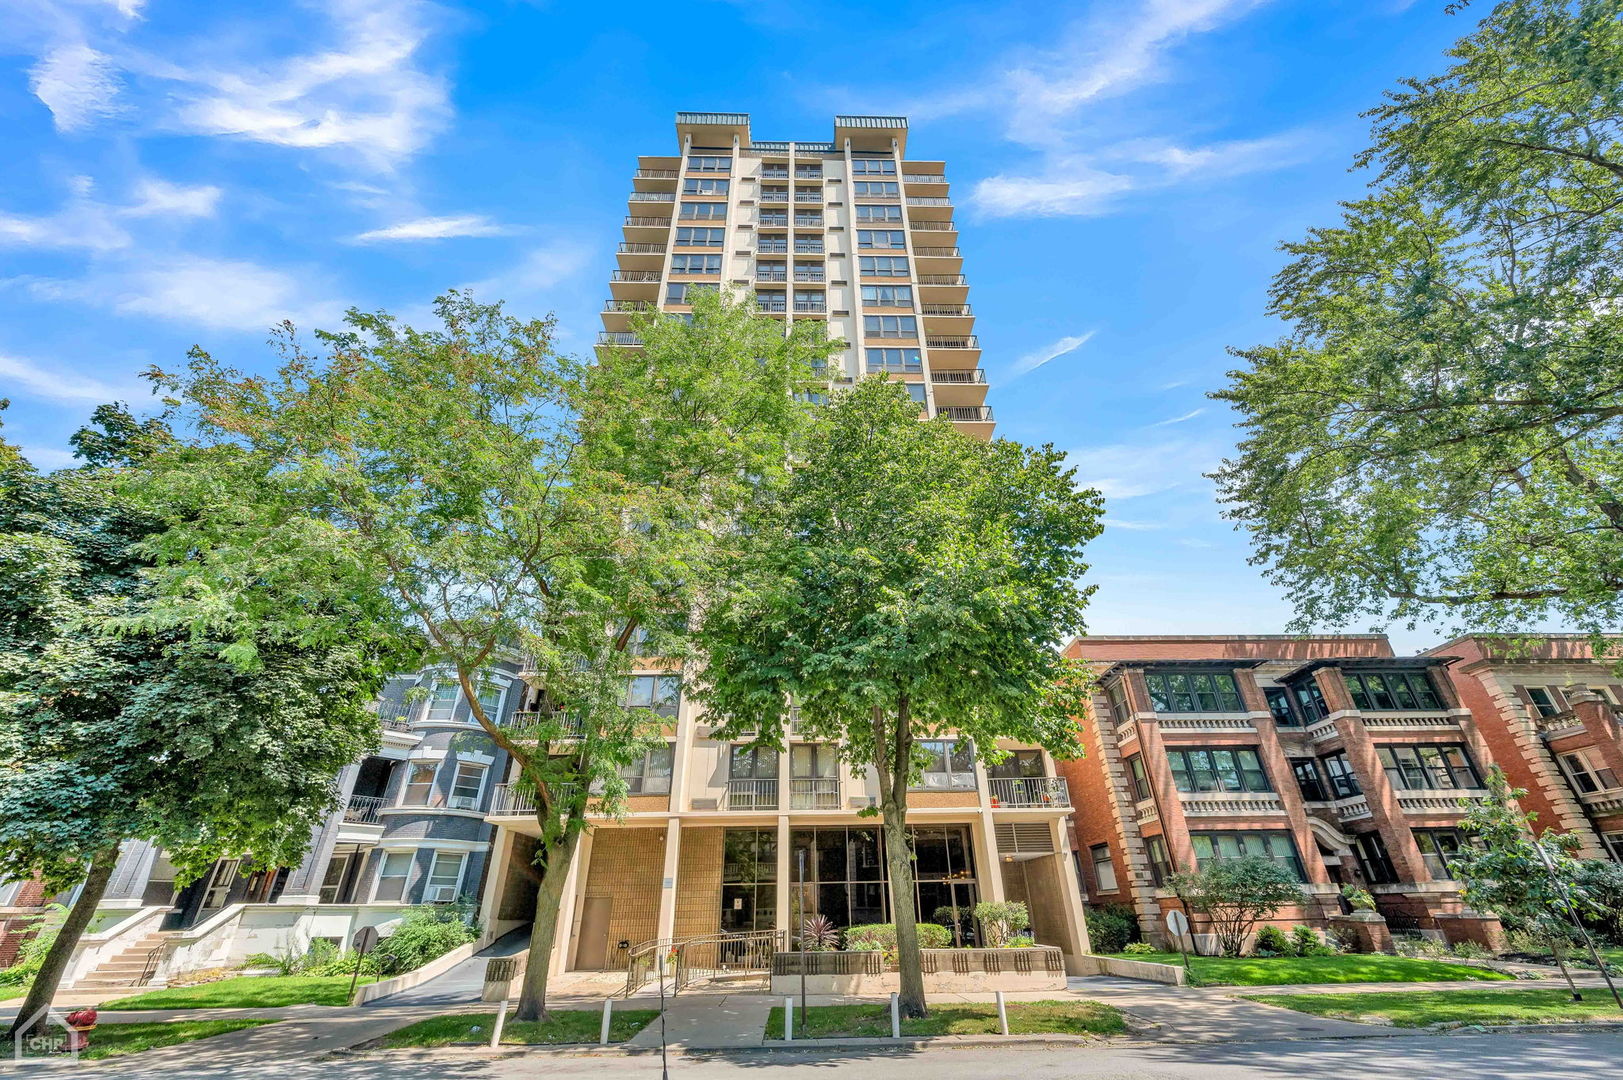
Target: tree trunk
(904,909)
(532,1001)
(61,951)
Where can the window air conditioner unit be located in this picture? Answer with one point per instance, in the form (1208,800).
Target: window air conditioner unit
(462,802)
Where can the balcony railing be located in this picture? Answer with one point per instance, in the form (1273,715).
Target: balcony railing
(771,307)
(976,376)
(814,221)
(923,178)
(652,196)
(765,274)
(967,414)
(609,337)
(958,310)
(628,305)
(641,249)
(506,802)
(814,277)
(809,196)
(634,222)
(774,218)
(938,253)
(752,795)
(774,173)
(811,307)
(363,809)
(933,226)
(928,200)
(808,249)
(655,174)
(1025,791)
(814,793)
(970,342)
(941,279)
(774,196)
(634,275)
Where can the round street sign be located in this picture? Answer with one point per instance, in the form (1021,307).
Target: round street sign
(1177,923)
(365,940)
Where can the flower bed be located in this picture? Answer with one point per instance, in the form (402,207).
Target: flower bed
(1038,967)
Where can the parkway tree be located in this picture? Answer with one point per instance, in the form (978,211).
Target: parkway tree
(1439,434)
(907,582)
(514,502)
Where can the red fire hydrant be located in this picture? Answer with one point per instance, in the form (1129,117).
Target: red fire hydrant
(79,1022)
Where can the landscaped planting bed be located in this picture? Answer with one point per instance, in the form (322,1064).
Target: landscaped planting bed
(1297,970)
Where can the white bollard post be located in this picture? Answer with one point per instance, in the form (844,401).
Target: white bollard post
(895,1016)
(1002,1014)
(501,1022)
(608,1012)
(788,1019)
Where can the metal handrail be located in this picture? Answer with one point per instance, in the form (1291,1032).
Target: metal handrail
(960,377)
(965,413)
(706,957)
(933,226)
(970,342)
(941,279)
(959,310)
(641,249)
(634,275)
(814,793)
(1029,791)
(752,794)
(363,809)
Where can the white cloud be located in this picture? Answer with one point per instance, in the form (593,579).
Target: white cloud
(1133,526)
(159,198)
(1038,357)
(436,228)
(1190,415)
(525,284)
(1132,470)
(1071,188)
(49,457)
(61,383)
(78,84)
(367,93)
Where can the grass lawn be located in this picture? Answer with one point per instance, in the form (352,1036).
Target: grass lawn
(116,1040)
(1025,1018)
(576,1026)
(1418,1008)
(246,992)
(1296,970)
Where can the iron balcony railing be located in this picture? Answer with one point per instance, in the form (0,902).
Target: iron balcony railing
(968,414)
(811,307)
(767,274)
(809,196)
(655,174)
(808,172)
(628,305)
(530,725)
(933,226)
(653,196)
(923,178)
(774,196)
(363,809)
(809,220)
(610,337)
(928,200)
(770,218)
(771,307)
(815,277)
(976,376)
(634,222)
(634,275)
(1026,791)
(970,342)
(641,249)
(779,173)
(752,795)
(507,802)
(941,279)
(961,310)
(814,793)
(938,252)
(772,245)
(803,248)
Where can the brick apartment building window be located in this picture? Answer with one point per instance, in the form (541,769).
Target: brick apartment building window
(750,762)
(1212,769)
(443,700)
(1588,772)
(1277,846)
(1019,765)
(1141,780)
(882,265)
(689,236)
(1104,871)
(660,693)
(880,189)
(1614,844)
(773,244)
(890,326)
(879,213)
(904,360)
(695,264)
(1543,700)
(467,785)
(1160,864)
(951,766)
(1177,692)
(392,875)
(1309,780)
(881,239)
(1428,766)
(1373,859)
(1279,704)
(420,784)
(703,211)
(1339,771)
(445,877)
(1117,696)
(845,875)
(681,292)
(1392,690)
(1437,850)
(1310,702)
(749,875)
(695,185)
(652,774)
(888,295)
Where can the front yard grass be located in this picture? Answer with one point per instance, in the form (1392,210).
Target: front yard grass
(1025,1018)
(574,1026)
(1299,970)
(246,992)
(118,1040)
(1421,1008)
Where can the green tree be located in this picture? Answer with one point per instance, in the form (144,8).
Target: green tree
(907,582)
(1531,882)
(1440,433)
(128,715)
(512,501)
(1235,895)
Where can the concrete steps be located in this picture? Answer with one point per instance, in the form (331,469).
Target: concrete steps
(124,969)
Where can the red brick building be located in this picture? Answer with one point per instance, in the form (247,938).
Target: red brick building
(1329,754)
(1549,712)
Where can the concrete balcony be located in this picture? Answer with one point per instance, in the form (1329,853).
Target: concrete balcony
(929,208)
(650,203)
(1028,792)
(1230,803)
(959,388)
(1438,800)
(507,802)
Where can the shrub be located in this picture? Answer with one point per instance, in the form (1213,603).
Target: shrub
(321,953)
(1022,941)
(1237,894)
(344,964)
(1359,899)
(1001,920)
(819,934)
(425,933)
(1470,950)
(881,938)
(1305,942)
(1271,941)
(1138,948)
(1111,927)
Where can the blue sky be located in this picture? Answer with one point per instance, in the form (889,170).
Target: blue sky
(182,173)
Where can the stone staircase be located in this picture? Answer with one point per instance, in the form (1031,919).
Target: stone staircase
(126,969)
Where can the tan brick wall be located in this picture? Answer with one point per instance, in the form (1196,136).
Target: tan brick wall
(626,865)
(923,799)
(647,804)
(698,882)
